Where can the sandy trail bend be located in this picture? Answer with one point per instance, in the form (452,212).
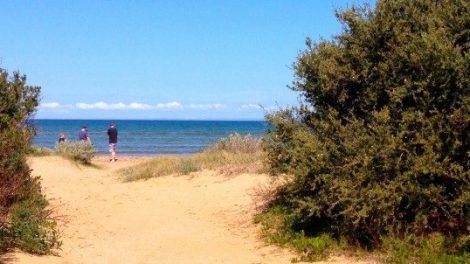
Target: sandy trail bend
(202,218)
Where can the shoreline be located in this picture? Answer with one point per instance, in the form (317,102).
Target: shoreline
(149,137)
(144,156)
(102,154)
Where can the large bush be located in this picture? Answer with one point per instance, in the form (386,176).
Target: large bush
(17,102)
(380,144)
(24,221)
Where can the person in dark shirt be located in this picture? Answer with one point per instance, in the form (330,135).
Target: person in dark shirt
(112,135)
(83,134)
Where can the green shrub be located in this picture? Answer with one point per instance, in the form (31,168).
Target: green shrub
(81,151)
(17,102)
(432,249)
(278,228)
(380,144)
(5,238)
(24,221)
(30,224)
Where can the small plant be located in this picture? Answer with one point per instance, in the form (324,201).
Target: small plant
(277,228)
(186,166)
(431,249)
(5,238)
(41,151)
(81,151)
(30,226)
(235,143)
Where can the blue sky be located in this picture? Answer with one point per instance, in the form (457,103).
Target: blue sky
(162,59)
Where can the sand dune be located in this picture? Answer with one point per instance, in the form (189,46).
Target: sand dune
(202,218)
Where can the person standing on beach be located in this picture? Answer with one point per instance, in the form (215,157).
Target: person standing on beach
(112,135)
(83,134)
(62,138)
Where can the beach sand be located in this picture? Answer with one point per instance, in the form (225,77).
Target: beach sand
(200,218)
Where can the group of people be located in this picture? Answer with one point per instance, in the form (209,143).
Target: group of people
(84,136)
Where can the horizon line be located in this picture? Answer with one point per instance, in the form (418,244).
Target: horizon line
(143,119)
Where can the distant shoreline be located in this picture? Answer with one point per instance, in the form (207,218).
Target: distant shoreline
(146,156)
(146,137)
(169,120)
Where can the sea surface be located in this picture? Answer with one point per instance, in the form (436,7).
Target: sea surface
(147,137)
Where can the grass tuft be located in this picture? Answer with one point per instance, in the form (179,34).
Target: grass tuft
(80,151)
(235,143)
(41,151)
(226,163)
(230,156)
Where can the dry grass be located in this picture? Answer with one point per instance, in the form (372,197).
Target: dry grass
(235,143)
(230,156)
(225,162)
(80,151)
(265,194)
(41,151)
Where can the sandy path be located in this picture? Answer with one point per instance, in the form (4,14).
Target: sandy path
(203,218)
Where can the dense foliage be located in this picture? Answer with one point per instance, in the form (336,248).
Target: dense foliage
(17,102)
(24,221)
(380,144)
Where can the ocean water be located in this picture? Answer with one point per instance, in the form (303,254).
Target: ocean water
(147,137)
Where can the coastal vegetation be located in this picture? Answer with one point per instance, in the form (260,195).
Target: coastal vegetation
(41,151)
(79,151)
(379,147)
(234,154)
(24,220)
(375,160)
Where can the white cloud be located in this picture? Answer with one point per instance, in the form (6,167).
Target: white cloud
(56,107)
(250,106)
(170,105)
(136,106)
(106,106)
(219,106)
(139,106)
(101,105)
(117,106)
(51,105)
(84,106)
(98,105)
(207,106)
